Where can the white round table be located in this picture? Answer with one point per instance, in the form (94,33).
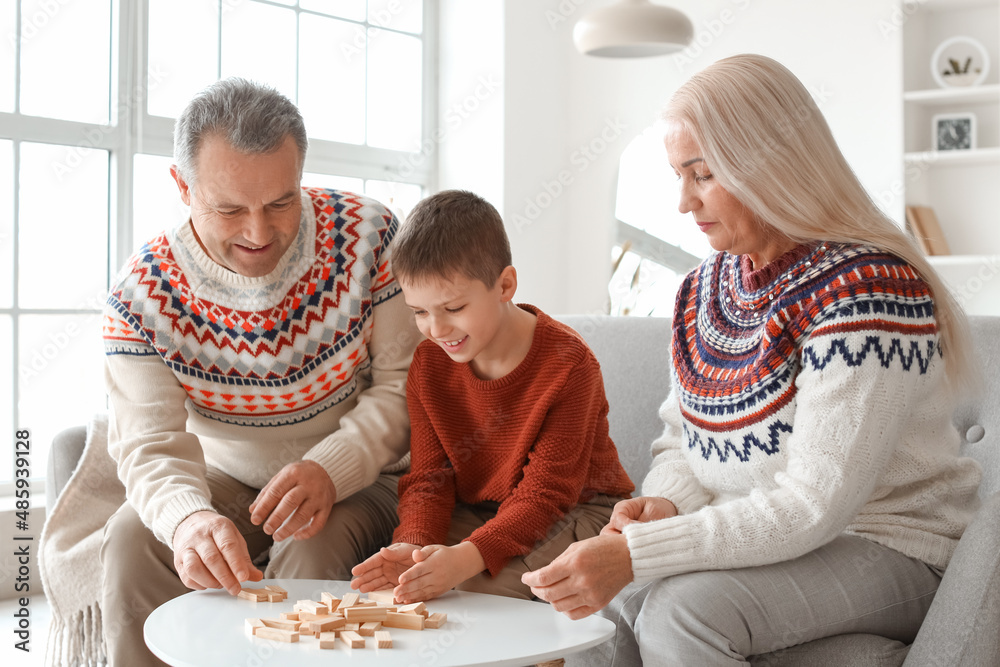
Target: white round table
(206,629)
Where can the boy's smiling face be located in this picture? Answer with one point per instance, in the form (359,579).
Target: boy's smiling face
(462,315)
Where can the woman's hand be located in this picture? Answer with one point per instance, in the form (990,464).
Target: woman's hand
(382,570)
(585,577)
(638,510)
(436,570)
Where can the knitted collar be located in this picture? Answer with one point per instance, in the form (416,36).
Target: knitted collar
(756,279)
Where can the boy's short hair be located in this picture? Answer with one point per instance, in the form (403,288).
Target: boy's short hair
(454,231)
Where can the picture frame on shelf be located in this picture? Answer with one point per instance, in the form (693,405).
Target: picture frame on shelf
(960,61)
(953,131)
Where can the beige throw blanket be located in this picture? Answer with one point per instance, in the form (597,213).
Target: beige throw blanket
(69,551)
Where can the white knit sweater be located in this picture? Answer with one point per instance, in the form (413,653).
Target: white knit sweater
(809,400)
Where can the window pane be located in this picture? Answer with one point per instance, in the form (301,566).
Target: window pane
(329,46)
(157,203)
(177,74)
(6,224)
(6,398)
(400,197)
(405,15)
(348,9)
(349,183)
(394,90)
(8,64)
(51,236)
(61,377)
(258,43)
(65,59)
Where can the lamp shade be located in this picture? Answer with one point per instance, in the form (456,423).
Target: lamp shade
(632,29)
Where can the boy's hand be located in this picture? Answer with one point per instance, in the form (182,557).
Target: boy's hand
(382,570)
(437,570)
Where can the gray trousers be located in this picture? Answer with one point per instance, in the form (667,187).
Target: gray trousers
(722,617)
(139,572)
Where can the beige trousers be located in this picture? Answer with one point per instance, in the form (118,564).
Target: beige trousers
(583,521)
(139,572)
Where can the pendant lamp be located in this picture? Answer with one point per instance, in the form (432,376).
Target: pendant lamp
(632,29)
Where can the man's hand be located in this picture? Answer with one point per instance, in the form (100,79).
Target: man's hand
(585,577)
(303,491)
(437,569)
(209,552)
(382,570)
(638,510)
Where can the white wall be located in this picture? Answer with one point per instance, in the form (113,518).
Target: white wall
(567,118)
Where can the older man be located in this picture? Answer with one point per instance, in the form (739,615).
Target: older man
(256,366)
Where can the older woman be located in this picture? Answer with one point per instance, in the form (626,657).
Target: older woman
(807,482)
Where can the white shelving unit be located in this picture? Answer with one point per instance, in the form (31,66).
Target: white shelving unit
(962,186)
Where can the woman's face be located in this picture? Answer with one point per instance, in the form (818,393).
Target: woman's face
(728,224)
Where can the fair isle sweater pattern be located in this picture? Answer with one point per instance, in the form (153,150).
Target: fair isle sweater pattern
(262,352)
(739,347)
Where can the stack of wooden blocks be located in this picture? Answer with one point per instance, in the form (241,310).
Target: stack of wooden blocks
(349,619)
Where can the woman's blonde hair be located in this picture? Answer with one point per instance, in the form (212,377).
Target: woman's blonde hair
(767,143)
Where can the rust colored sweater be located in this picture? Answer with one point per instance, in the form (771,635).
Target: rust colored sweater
(534,441)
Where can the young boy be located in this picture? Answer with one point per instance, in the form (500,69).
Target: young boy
(511,458)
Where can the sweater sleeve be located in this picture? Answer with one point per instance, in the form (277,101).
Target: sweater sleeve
(374,434)
(160,463)
(427,492)
(859,380)
(554,474)
(670,476)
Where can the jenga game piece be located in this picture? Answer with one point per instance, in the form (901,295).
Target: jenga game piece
(277,634)
(281,624)
(290,616)
(306,617)
(410,621)
(435,621)
(252,625)
(385,596)
(328,640)
(330,601)
(369,629)
(383,639)
(312,607)
(365,614)
(332,623)
(415,608)
(352,639)
(349,600)
(253,594)
(353,627)
(276,593)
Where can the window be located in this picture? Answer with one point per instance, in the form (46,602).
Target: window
(656,244)
(88,95)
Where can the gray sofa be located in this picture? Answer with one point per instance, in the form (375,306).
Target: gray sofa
(963,625)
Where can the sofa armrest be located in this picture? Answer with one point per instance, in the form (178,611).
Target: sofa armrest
(64,454)
(962,627)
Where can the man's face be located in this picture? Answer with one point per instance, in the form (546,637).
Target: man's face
(245,209)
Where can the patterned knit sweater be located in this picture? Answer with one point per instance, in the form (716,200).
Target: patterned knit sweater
(205,366)
(809,399)
(535,441)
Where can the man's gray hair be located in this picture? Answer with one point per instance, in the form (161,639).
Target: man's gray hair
(253,118)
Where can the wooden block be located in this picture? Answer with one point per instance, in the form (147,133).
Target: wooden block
(252,625)
(352,639)
(415,608)
(278,635)
(394,619)
(366,603)
(382,596)
(435,621)
(276,593)
(330,601)
(290,616)
(331,624)
(305,616)
(365,614)
(352,627)
(312,607)
(275,597)
(281,624)
(349,600)
(383,639)
(328,640)
(276,589)
(252,594)
(369,629)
